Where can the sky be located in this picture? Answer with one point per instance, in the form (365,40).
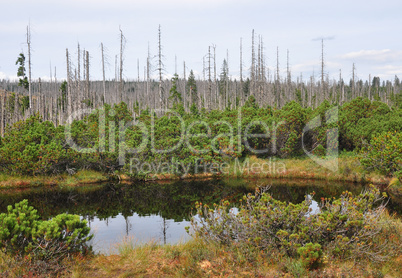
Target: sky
(365,33)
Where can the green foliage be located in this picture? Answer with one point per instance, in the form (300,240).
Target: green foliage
(60,236)
(194,110)
(191,87)
(23,81)
(62,100)
(311,255)
(31,147)
(205,138)
(16,227)
(246,87)
(223,78)
(175,96)
(345,227)
(383,153)
(251,103)
(360,119)
(22,233)
(24,103)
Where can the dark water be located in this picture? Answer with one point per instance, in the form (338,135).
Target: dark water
(158,212)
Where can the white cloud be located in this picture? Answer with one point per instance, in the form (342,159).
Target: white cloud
(129,4)
(384,55)
(316,66)
(390,70)
(328,38)
(4,76)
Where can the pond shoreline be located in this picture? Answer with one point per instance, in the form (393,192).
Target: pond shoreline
(184,257)
(349,171)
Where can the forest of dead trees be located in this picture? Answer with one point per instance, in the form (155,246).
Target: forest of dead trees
(56,99)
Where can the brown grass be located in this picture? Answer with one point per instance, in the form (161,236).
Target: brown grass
(349,170)
(81,177)
(197,259)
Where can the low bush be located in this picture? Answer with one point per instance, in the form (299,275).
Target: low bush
(23,234)
(384,153)
(348,227)
(310,255)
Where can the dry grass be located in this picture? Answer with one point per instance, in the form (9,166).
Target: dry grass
(197,259)
(190,259)
(349,169)
(81,177)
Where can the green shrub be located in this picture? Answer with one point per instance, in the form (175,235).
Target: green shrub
(311,255)
(22,233)
(383,153)
(16,227)
(61,236)
(348,226)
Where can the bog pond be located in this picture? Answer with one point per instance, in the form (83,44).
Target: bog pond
(158,211)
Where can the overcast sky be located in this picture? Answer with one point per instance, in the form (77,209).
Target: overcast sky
(367,33)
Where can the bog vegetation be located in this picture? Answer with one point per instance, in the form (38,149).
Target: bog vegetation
(138,127)
(41,245)
(348,228)
(34,146)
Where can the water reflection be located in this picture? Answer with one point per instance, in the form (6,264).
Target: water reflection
(158,211)
(136,229)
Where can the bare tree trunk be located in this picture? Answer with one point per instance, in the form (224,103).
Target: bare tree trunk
(160,65)
(252,71)
(322,97)
(353,81)
(184,87)
(138,70)
(41,107)
(227,79)
(103,75)
(241,71)
(342,87)
(69,97)
(148,71)
(80,93)
(288,78)
(15,117)
(29,64)
(3,99)
(278,81)
(310,96)
(122,39)
(87,89)
(209,72)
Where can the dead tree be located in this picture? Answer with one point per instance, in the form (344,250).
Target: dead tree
(80,96)
(278,80)
(252,71)
(29,64)
(209,72)
(215,86)
(69,97)
(184,86)
(122,43)
(160,67)
(323,91)
(87,84)
(103,75)
(241,70)
(353,81)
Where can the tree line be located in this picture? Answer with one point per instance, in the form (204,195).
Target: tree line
(57,99)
